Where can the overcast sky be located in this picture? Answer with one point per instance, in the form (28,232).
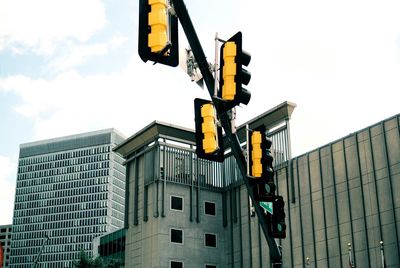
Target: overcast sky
(71,66)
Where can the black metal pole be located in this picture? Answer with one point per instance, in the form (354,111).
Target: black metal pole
(198,53)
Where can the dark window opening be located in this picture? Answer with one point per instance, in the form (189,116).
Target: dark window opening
(176,203)
(176,264)
(210,240)
(209,208)
(176,236)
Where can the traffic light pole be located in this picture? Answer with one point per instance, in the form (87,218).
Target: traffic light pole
(184,18)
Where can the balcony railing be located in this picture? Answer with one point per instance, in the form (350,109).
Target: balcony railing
(178,164)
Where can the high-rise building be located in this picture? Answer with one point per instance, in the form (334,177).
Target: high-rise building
(5,240)
(69,191)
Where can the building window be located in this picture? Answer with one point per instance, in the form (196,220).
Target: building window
(176,203)
(210,240)
(176,264)
(177,236)
(209,208)
(211,266)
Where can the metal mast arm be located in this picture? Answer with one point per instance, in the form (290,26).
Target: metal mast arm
(184,18)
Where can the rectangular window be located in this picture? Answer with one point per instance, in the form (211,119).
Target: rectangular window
(211,266)
(176,203)
(176,264)
(210,240)
(177,236)
(209,208)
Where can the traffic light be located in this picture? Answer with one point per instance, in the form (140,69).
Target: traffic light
(158,33)
(209,143)
(276,221)
(232,75)
(259,164)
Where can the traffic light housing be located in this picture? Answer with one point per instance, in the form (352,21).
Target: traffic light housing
(209,142)
(260,160)
(276,221)
(158,33)
(232,75)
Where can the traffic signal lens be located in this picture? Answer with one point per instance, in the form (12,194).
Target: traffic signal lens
(209,129)
(229,71)
(158,22)
(256,154)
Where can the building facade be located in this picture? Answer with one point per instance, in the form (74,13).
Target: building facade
(341,200)
(178,207)
(69,190)
(5,240)
(111,247)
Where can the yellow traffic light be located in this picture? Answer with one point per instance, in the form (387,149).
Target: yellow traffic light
(256,154)
(232,76)
(158,33)
(208,134)
(158,22)
(229,71)
(209,128)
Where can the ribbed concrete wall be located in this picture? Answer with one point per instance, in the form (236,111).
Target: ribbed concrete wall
(345,192)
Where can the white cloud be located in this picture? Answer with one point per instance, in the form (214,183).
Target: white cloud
(71,103)
(79,54)
(39,24)
(7,188)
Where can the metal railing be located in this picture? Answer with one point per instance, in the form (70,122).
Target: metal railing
(177,164)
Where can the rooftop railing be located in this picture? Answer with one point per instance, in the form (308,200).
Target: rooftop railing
(179,163)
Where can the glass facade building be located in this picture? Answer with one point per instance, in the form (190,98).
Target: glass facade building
(69,191)
(112,247)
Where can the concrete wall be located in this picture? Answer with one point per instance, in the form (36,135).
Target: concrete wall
(343,192)
(151,220)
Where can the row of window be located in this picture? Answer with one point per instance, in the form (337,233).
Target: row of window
(119,182)
(22,258)
(100,191)
(177,204)
(118,207)
(90,162)
(48,176)
(63,155)
(86,195)
(177,237)
(118,196)
(181,264)
(67,223)
(119,215)
(62,236)
(69,204)
(53,185)
(59,220)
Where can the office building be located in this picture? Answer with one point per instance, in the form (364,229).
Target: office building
(341,200)
(69,190)
(5,240)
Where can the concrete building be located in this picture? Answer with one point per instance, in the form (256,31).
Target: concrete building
(5,240)
(69,190)
(186,212)
(179,209)
(344,192)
